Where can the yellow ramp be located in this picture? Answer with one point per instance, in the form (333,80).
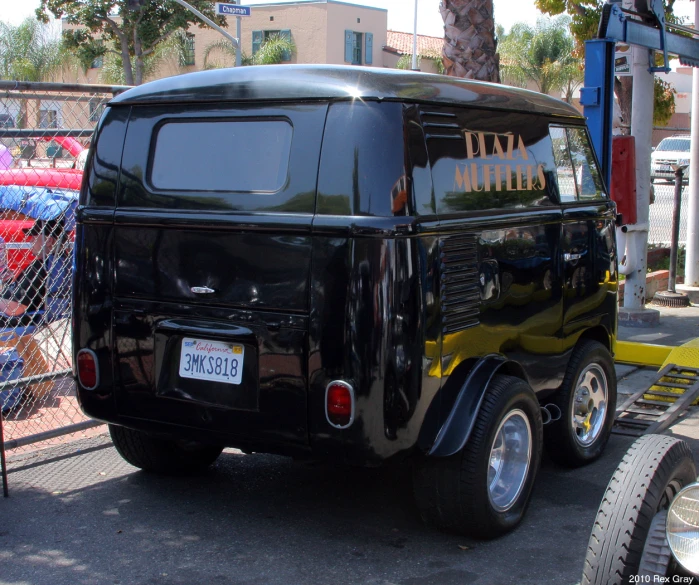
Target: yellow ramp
(642,354)
(684,355)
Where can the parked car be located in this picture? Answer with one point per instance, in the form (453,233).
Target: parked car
(351,263)
(671,151)
(647,525)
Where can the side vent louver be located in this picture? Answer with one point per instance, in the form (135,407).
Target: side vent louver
(460,293)
(442,125)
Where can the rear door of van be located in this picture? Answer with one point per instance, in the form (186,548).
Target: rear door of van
(212,255)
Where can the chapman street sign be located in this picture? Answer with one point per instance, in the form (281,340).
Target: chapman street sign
(228,9)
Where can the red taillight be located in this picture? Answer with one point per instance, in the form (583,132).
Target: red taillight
(88,372)
(339,404)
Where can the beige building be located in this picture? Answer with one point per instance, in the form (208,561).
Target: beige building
(323,31)
(400,44)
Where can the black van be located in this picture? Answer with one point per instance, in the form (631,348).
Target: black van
(349,263)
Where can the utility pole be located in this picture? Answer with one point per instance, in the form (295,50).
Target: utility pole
(239,34)
(691,270)
(414,65)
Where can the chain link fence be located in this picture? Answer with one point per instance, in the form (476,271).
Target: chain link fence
(45,133)
(661,211)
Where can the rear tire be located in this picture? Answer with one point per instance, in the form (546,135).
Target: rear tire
(587,400)
(483,490)
(160,455)
(651,473)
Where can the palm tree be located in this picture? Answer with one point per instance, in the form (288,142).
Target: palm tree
(171,50)
(542,54)
(406,62)
(272,51)
(469,39)
(31,52)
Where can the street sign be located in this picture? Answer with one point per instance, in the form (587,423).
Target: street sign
(229,9)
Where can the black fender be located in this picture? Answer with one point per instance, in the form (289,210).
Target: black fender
(456,428)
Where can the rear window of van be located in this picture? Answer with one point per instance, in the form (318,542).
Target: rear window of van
(221,155)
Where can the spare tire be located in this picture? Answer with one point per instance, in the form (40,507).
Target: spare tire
(651,473)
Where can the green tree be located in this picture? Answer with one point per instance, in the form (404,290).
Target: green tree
(132,30)
(585,21)
(469,39)
(664,95)
(172,50)
(573,78)
(274,50)
(30,52)
(406,62)
(542,54)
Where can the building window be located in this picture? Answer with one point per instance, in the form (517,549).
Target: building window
(359,47)
(187,55)
(96,109)
(260,37)
(48,119)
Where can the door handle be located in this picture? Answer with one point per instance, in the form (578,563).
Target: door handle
(202,290)
(571,257)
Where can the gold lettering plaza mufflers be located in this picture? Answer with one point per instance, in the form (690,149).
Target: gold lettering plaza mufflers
(501,163)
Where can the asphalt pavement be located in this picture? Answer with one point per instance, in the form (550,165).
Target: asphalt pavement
(79,515)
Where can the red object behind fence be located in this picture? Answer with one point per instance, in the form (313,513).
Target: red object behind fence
(41,177)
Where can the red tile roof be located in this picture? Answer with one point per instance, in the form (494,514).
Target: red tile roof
(402,43)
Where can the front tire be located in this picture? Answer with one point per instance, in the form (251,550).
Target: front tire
(483,491)
(587,401)
(160,455)
(651,473)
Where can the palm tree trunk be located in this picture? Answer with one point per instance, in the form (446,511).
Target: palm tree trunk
(469,40)
(623,87)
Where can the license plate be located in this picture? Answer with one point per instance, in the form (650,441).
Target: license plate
(215,361)
(665,168)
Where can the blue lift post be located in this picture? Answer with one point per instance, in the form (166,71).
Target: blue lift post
(645,27)
(597,97)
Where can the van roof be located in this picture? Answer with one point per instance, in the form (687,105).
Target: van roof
(338,82)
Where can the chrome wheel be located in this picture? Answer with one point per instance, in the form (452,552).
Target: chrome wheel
(589,405)
(510,459)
